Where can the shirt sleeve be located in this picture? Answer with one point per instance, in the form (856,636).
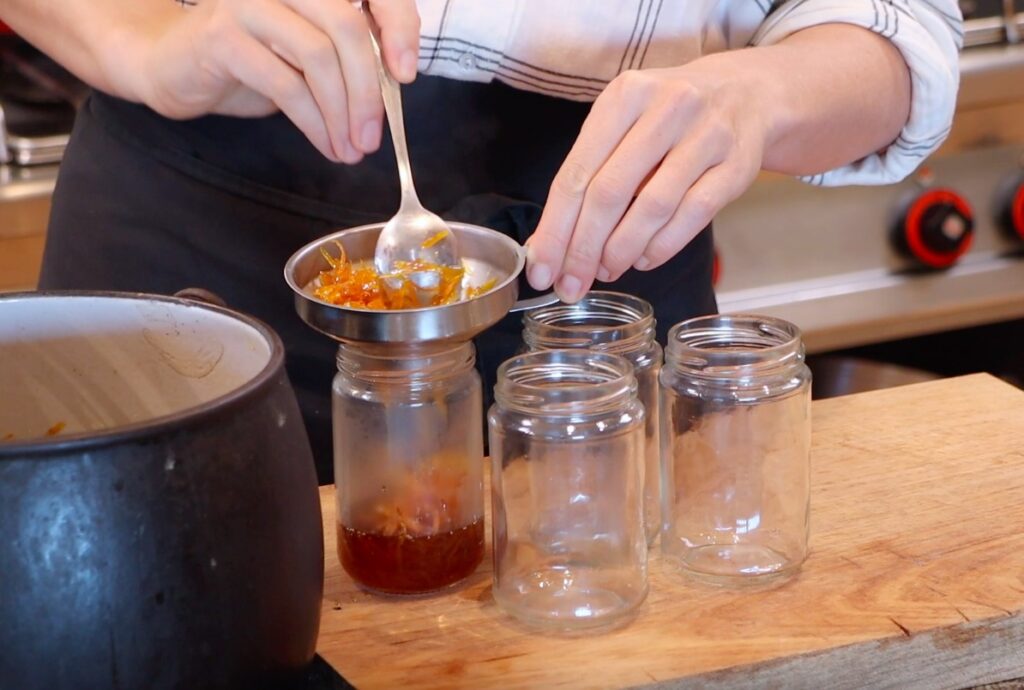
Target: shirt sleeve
(568,48)
(928,34)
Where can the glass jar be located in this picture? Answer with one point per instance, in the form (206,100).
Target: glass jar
(408,465)
(736,435)
(566,440)
(624,325)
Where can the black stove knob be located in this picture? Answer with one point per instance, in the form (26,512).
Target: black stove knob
(1010,207)
(936,228)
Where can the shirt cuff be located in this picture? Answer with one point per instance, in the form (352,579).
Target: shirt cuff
(928,35)
(459,41)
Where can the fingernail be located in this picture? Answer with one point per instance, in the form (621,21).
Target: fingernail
(642,263)
(407,65)
(540,276)
(603,275)
(569,289)
(350,155)
(370,136)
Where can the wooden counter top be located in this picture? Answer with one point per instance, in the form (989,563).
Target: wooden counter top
(915,579)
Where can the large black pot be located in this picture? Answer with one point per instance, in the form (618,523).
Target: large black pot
(169,536)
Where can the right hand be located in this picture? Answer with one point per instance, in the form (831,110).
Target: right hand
(310,59)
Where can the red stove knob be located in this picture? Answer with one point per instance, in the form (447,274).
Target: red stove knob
(936,228)
(1011,207)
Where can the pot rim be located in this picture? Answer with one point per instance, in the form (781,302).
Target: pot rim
(87,440)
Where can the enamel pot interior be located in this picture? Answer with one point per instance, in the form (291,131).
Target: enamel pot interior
(94,364)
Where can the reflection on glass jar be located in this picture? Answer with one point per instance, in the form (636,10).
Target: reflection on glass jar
(624,325)
(566,440)
(408,465)
(736,436)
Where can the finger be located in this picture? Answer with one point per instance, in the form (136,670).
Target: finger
(716,188)
(348,35)
(241,101)
(399,23)
(661,196)
(609,194)
(254,65)
(312,52)
(614,112)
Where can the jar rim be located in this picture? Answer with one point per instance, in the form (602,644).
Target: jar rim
(733,340)
(565,381)
(602,319)
(392,361)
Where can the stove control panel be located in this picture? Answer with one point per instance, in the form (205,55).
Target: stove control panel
(935,228)
(845,263)
(1010,207)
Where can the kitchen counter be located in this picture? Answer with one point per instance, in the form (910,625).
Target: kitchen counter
(24,211)
(915,579)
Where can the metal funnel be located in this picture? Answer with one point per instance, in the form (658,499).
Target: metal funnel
(486,254)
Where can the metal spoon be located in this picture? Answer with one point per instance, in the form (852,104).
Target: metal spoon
(414,233)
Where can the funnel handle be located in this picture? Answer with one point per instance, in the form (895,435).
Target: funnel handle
(535,302)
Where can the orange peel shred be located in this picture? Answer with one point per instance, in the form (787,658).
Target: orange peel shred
(359,285)
(434,239)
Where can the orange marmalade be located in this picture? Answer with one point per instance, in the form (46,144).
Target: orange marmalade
(357,284)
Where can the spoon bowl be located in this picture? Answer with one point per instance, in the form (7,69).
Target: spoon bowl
(415,235)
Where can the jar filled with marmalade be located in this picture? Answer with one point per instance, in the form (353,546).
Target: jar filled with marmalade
(408,465)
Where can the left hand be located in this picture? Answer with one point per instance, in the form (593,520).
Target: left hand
(662,151)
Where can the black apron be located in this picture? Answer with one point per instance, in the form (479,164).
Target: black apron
(148,204)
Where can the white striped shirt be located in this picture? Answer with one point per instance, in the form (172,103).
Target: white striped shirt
(573,48)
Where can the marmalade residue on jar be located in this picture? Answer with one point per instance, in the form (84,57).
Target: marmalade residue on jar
(359,285)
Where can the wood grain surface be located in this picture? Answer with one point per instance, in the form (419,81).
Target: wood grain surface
(20,261)
(915,579)
(22,236)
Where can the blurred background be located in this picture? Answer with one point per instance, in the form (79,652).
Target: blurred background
(890,285)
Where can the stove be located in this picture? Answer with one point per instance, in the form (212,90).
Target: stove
(940,253)
(38,101)
(836,263)
(990,22)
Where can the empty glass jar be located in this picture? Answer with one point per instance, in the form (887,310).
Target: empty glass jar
(408,465)
(624,325)
(566,441)
(736,434)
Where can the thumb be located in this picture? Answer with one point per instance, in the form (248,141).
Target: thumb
(399,24)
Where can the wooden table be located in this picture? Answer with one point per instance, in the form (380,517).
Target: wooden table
(915,579)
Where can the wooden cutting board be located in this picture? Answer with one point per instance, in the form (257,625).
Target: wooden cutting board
(915,579)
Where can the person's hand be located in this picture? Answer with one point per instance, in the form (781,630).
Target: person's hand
(662,151)
(310,59)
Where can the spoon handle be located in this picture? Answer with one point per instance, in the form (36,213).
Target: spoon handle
(391,92)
